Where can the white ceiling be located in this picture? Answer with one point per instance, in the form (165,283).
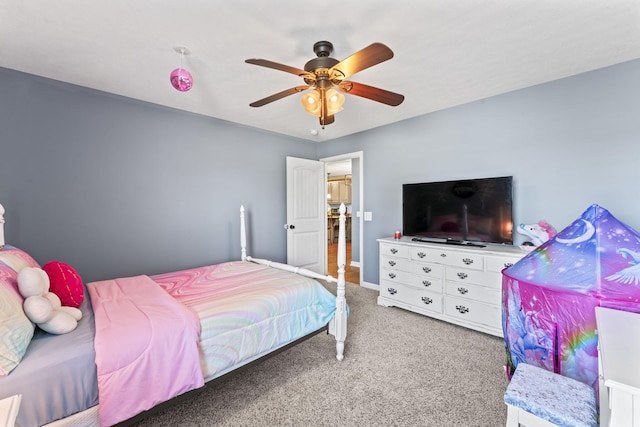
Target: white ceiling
(447,52)
(339,168)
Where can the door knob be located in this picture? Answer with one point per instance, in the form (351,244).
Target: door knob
(287,226)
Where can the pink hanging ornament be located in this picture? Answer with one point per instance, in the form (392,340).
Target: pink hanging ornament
(181,79)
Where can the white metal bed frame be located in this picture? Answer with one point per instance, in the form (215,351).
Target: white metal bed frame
(337,325)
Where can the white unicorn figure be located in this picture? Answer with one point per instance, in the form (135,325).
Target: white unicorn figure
(538,233)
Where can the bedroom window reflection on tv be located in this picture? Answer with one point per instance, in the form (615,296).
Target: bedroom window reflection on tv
(467,210)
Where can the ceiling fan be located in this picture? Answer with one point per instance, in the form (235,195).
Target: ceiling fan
(325,74)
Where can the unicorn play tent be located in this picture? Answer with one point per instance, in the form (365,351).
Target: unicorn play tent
(549,296)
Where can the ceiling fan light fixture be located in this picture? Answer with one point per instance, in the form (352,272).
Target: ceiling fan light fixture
(181,79)
(323,74)
(335,101)
(313,102)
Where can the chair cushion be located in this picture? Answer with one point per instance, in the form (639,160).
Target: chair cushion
(552,397)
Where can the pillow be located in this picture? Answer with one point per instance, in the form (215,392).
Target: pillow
(16,330)
(16,259)
(66,283)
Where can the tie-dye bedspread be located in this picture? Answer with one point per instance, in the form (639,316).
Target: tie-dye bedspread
(146,347)
(247,310)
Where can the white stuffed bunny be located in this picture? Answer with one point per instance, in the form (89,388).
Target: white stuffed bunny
(43,307)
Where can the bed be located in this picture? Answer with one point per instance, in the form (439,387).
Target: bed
(145,341)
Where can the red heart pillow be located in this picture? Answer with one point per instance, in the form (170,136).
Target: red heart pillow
(66,283)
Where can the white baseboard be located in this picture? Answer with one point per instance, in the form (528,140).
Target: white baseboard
(370,286)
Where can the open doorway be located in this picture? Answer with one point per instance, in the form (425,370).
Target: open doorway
(344,185)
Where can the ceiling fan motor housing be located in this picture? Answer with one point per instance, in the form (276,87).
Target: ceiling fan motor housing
(323,48)
(323,62)
(320,63)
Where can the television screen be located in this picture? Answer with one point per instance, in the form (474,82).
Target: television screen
(466,210)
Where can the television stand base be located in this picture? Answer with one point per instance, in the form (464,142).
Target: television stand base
(449,242)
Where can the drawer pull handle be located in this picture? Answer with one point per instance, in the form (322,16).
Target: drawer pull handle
(426,283)
(426,269)
(392,263)
(463,290)
(508,264)
(462,309)
(421,255)
(462,275)
(394,251)
(392,276)
(392,291)
(467,261)
(427,300)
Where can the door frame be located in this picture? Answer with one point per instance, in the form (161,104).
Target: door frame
(359,215)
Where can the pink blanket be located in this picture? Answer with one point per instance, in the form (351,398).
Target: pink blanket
(146,347)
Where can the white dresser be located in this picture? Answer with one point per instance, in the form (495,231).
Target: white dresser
(457,284)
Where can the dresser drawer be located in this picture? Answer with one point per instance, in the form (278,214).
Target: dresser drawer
(390,249)
(497,263)
(474,311)
(474,292)
(461,259)
(433,270)
(415,280)
(428,269)
(416,297)
(426,254)
(465,275)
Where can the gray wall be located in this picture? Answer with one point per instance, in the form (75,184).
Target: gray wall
(118,187)
(568,144)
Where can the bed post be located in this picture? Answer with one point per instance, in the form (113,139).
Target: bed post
(1,226)
(243,235)
(337,325)
(341,302)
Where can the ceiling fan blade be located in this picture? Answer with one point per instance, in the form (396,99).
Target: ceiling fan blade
(363,59)
(279,95)
(370,92)
(277,66)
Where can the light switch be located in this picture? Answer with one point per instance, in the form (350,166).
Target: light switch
(368,216)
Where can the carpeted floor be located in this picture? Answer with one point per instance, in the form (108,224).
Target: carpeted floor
(400,369)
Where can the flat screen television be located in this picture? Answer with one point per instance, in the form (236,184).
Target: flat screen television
(470,210)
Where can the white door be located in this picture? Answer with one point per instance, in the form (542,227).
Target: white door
(306,214)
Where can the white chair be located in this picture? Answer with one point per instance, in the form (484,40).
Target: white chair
(537,397)
(619,351)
